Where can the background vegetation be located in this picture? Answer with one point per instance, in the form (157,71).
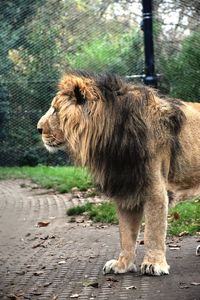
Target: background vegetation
(39,40)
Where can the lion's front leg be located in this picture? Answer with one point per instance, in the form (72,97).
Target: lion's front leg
(156,210)
(129,224)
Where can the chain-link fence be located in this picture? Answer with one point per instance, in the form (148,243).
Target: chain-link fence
(39,40)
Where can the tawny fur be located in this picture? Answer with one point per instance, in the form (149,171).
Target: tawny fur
(141,149)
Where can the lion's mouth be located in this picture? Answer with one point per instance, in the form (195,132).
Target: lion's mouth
(54,147)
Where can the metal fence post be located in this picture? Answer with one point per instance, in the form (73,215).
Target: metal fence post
(150,76)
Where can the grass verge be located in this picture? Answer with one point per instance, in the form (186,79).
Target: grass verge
(184,218)
(104,212)
(62,179)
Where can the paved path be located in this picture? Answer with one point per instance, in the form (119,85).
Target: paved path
(64,260)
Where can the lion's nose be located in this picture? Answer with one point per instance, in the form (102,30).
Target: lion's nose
(40,130)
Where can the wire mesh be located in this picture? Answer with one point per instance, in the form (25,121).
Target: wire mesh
(40,40)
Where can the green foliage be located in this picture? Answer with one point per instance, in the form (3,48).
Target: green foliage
(109,54)
(104,212)
(182,69)
(188,220)
(188,216)
(62,179)
(79,209)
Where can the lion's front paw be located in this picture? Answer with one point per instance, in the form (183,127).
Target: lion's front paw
(155,269)
(116,267)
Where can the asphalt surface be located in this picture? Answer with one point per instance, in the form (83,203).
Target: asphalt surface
(63,260)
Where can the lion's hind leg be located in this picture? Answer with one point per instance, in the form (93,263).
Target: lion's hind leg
(156,210)
(129,224)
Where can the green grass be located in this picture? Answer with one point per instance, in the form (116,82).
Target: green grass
(62,179)
(104,212)
(188,215)
(188,220)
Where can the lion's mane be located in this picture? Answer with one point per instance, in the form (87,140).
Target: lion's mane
(116,129)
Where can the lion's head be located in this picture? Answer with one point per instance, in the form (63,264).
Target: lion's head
(110,126)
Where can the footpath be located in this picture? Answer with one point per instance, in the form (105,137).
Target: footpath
(43,256)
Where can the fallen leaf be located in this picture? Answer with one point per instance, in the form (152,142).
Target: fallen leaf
(74,189)
(80,219)
(92,284)
(74,296)
(21,273)
(47,284)
(174,246)
(195,283)
(36,293)
(176,215)
(38,273)
(112,279)
(183,285)
(132,287)
(15,296)
(44,237)
(111,282)
(62,262)
(183,233)
(43,223)
(39,245)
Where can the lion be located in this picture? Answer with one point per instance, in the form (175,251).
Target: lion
(142,150)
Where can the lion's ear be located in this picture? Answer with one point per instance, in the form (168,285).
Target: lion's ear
(84,89)
(80,97)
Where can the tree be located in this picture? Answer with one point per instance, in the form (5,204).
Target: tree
(183,69)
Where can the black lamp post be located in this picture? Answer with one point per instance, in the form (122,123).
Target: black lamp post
(150,77)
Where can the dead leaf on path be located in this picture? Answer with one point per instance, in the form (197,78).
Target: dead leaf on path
(183,233)
(92,284)
(43,223)
(62,262)
(47,284)
(174,246)
(15,296)
(183,285)
(80,219)
(74,296)
(38,273)
(20,272)
(44,237)
(132,287)
(55,297)
(195,283)
(111,282)
(112,279)
(36,293)
(101,226)
(39,244)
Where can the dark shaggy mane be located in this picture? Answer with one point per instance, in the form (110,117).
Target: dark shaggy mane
(121,162)
(118,153)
